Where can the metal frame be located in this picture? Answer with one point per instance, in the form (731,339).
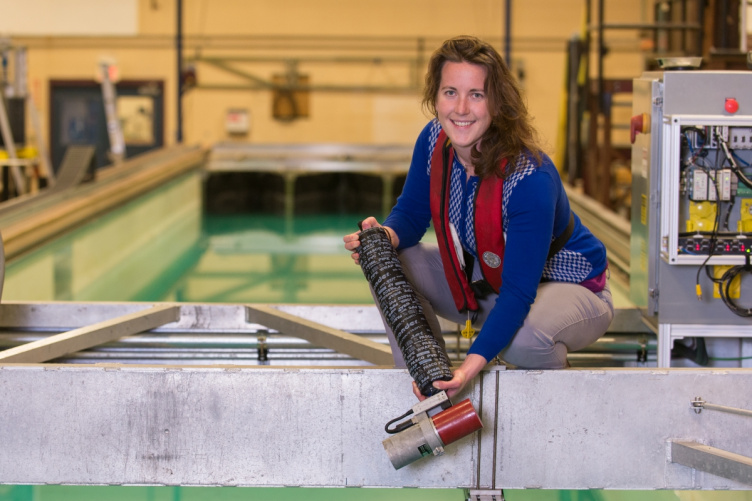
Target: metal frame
(86,337)
(239,425)
(668,333)
(713,460)
(321,335)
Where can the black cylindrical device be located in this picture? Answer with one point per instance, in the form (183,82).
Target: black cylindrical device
(425,359)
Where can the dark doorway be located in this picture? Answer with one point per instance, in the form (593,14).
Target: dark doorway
(77,117)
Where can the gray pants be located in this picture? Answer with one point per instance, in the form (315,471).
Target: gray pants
(564,317)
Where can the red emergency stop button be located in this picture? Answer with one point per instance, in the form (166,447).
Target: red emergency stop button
(732,105)
(639,124)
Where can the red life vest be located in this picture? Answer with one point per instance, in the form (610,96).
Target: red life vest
(489,233)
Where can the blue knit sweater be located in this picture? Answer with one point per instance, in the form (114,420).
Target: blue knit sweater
(535,209)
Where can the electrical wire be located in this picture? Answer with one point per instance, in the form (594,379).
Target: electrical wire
(401,426)
(714,232)
(729,154)
(724,288)
(711,249)
(732,202)
(700,133)
(740,159)
(724,282)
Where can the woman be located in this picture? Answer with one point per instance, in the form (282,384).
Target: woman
(511,256)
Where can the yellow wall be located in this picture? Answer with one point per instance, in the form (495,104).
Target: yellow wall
(267,29)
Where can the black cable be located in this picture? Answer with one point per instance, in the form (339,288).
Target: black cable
(725,288)
(713,236)
(732,202)
(714,279)
(400,426)
(695,154)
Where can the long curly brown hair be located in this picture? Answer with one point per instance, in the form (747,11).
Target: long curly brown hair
(511,132)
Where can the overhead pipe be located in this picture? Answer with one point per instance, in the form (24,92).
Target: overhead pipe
(508,32)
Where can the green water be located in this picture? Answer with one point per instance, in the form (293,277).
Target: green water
(230,260)
(162,248)
(114,493)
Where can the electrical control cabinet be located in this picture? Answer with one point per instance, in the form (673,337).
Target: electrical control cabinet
(692,203)
(710,197)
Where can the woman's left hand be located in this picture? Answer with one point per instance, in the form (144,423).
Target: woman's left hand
(454,385)
(470,368)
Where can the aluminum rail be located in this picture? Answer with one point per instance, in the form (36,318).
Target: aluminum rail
(215,345)
(239,151)
(309,158)
(86,337)
(230,335)
(242,426)
(712,460)
(234,424)
(351,344)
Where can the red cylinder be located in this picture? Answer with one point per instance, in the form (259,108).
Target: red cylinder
(456,422)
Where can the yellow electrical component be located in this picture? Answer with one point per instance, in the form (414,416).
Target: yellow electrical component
(27,152)
(468,332)
(701,216)
(735,289)
(22,152)
(745,216)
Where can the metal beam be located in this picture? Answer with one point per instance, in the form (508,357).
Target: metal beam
(610,429)
(220,63)
(321,335)
(92,335)
(252,426)
(712,460)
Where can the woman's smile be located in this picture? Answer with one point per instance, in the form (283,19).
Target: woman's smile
(462,106)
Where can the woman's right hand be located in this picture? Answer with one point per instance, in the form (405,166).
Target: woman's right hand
(352,241)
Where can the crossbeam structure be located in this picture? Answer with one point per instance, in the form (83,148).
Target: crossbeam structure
(712,460)
(320,334)
(93,335)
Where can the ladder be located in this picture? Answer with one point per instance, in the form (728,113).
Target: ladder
(114,129)
(18,89)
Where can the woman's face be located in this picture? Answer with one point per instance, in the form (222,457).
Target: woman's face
(462,105)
